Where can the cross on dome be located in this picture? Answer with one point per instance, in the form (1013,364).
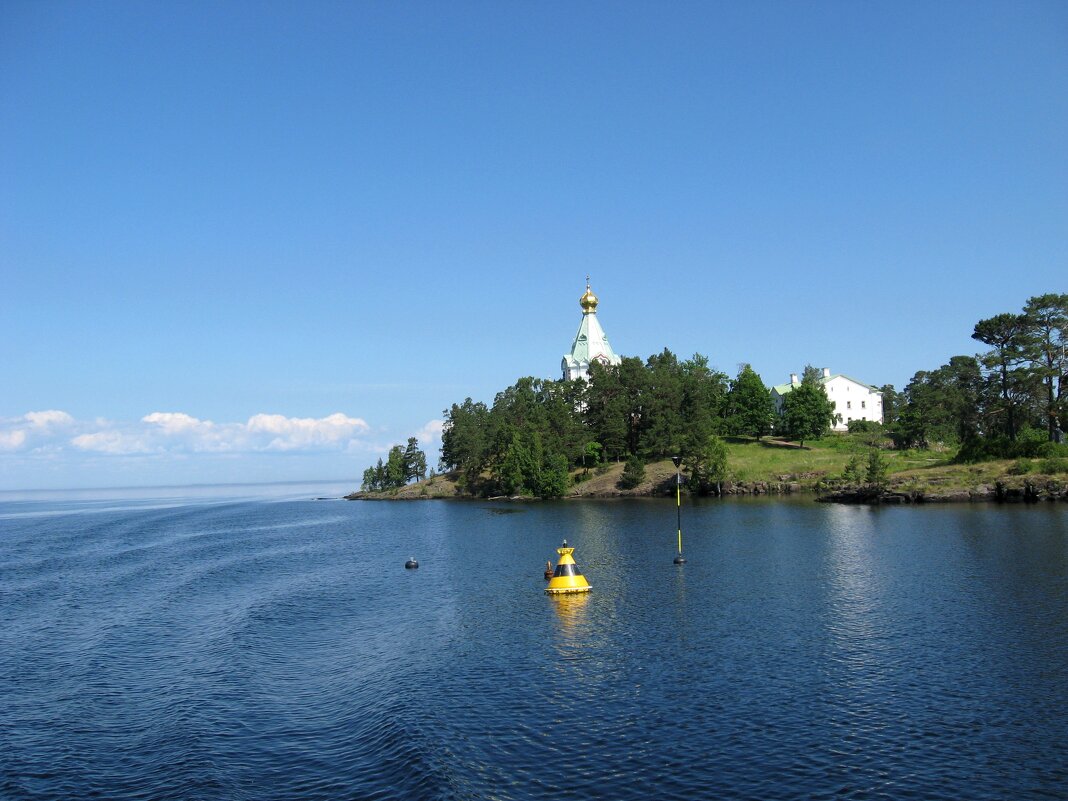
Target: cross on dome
(588,301)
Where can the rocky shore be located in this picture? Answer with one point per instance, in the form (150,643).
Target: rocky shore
(1026,490)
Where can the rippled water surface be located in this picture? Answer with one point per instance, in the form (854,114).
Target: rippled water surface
(205,648)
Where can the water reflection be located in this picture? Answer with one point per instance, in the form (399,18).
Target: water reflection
(853,592)
(571,612)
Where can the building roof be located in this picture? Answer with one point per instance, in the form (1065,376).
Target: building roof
(590,342)
(782,389)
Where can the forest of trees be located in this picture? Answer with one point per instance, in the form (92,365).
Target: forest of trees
(1011,400)
(537,431)
(401,466)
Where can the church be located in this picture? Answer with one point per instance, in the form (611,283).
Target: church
(591,342)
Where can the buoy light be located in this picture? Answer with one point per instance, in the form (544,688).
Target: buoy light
(567,578)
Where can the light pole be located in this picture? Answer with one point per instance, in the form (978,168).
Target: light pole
(679,560)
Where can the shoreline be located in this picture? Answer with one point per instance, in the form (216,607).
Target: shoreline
(989,483)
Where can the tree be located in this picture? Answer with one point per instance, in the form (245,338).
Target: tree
(1045,338)
(606,409)
(1006,334)
(807,412)
(374,478)
(707,465)
(517,471)
(750,408)
(943,406)
(660,406)
(395,468)
(591,454)
(892,402)
(555,478)
(465,440)
(852,472)
(704,401)
(633,473)
(414,461)
(877,470)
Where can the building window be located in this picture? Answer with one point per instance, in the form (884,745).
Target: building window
(862,406)
(849,404)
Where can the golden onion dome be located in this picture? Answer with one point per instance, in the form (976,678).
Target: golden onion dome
(588,301)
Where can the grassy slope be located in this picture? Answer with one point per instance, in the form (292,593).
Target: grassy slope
(768,459)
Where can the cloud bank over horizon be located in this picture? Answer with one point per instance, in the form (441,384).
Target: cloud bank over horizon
(81,449)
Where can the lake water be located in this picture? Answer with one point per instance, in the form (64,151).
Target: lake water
(207,647)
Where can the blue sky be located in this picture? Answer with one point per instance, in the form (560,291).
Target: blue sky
(264,241)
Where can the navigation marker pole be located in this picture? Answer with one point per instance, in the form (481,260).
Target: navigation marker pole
(679,560)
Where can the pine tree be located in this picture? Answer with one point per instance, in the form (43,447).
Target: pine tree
(633,473)
(414,461)
(877,469)
(394,473)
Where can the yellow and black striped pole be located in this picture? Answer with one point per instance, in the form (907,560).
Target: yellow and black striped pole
(679,560)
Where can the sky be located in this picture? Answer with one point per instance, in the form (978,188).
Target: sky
(265,241)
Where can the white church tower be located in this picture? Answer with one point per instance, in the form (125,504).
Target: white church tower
(591,343)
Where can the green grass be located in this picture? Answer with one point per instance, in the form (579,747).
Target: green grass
(768,459)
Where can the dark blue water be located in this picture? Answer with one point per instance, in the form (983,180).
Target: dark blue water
(205,649)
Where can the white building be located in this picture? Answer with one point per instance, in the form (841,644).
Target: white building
(591,343)
(852,399)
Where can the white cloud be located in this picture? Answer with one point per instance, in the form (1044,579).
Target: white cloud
(429,435)
(12,440)
(111,441)
(292,433)
(176,422)
(32,429)
(52,433)
(48,419)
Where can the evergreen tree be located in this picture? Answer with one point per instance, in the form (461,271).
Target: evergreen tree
(892,401)
(633,473)
(1006,334)
(414,461)
(750,408)
(853,472)
(1045,341)
(395,468)
(465,440)
(660,407)
(515,468)
(877,470)
(704,402)
(555,478)
(372,478)
(606,411)
(707,465)
(942,406)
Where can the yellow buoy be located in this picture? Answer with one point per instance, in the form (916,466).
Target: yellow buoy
(567,578)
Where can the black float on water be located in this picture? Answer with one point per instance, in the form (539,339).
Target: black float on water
(411,564)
